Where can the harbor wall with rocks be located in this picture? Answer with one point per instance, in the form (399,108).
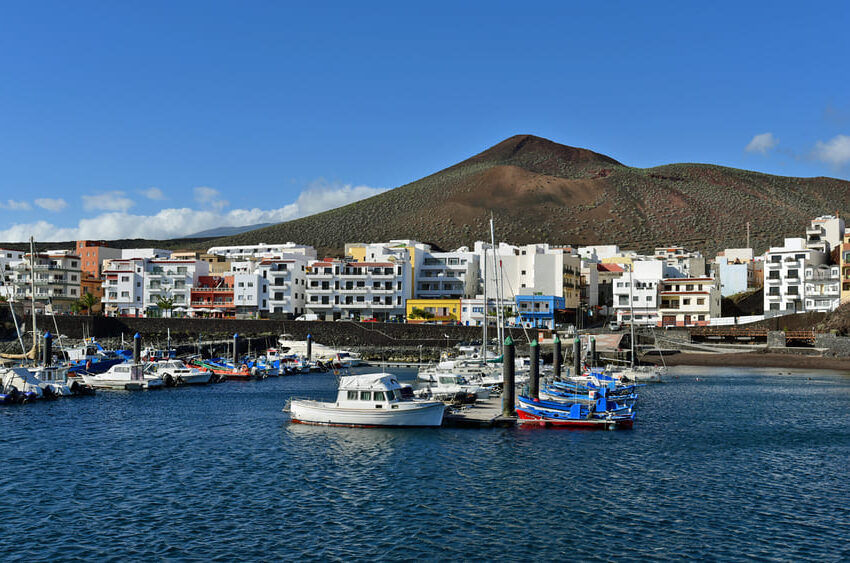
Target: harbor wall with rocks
(388,341)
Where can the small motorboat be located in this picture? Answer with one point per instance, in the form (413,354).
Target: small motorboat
(578,416)
(368,400)
(175,372)
(123,377)
(223,370)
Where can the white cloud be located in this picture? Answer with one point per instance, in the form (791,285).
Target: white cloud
(51,204)
(173,222)
(321,196)
(107,201)
(15,205)
(762,143)
(835,151)
(209,198)
(153,193)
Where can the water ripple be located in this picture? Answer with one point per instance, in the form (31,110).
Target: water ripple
(722,465)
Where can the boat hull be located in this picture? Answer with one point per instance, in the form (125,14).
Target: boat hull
(528,418)
(428,414)
(121,384)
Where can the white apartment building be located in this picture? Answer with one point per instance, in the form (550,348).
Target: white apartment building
(784,275)
(680,262)
(57,278)
(263,250)
(8,260)
(689,301)
(523,270)
(636,292)
(822,292)
(123,292)
(435,275)
(825,233)
(341,289)
(171,279)
(472,310)
(286,280)
(447,275)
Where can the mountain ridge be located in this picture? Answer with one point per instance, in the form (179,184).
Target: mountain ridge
(542,191)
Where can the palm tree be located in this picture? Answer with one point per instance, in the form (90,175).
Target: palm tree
(87,302)
(165,303)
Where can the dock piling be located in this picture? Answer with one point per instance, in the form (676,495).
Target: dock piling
(508,390)
(236,350)
(137,348)
(48,349)
(577,356)
(534,370)
(309,347)
(557,358)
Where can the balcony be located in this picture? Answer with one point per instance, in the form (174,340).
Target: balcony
(319,305)
(312,290)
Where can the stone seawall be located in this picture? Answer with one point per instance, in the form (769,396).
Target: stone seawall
(343,334)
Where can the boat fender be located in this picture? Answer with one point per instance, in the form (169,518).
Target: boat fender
(88,365)
(180,380)
(168,380)
(243,367)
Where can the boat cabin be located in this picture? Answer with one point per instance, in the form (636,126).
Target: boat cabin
(129,372)
(369,391)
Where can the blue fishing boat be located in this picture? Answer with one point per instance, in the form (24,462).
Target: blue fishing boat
(578,416)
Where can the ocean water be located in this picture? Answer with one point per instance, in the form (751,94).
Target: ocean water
(723,464)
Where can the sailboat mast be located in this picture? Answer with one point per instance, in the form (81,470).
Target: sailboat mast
(32,289)
(632,315)
(496,282)
(484,341)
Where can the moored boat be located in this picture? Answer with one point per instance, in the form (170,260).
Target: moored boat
(175,372)
(576,417)
(126,377)
(368,400)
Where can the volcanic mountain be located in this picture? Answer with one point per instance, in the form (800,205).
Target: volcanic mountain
(541,191)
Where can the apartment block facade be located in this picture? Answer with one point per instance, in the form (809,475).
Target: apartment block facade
(349,290)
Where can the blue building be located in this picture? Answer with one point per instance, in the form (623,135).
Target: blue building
(538,311)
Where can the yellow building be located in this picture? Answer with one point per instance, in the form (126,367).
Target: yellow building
(443,310)
(572,281)
(621,260)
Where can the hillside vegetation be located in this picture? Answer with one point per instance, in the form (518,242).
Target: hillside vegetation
(540,191)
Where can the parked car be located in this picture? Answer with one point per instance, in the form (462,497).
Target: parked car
(614,326)
(308,317)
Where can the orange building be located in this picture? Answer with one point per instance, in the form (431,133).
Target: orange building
(92,255)
(213,297)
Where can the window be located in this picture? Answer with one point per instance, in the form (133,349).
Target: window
(701,318)
(352,395)
(379,395)
(365,396)
(686,301)
(701,301)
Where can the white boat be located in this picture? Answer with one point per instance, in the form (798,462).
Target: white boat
(53,379)
(176,372)
(373,399)
(20,380)
(447,386)
(128,377)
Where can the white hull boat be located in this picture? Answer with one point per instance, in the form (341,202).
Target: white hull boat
(123,377)
(175,372)
(368,400)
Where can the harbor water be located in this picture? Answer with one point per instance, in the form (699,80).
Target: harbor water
(723,464)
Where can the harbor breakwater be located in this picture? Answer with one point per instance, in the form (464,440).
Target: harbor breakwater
(390,341)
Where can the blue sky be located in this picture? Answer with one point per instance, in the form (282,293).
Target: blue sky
(157,119)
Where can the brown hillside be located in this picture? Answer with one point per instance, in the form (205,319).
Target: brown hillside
(540,191)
